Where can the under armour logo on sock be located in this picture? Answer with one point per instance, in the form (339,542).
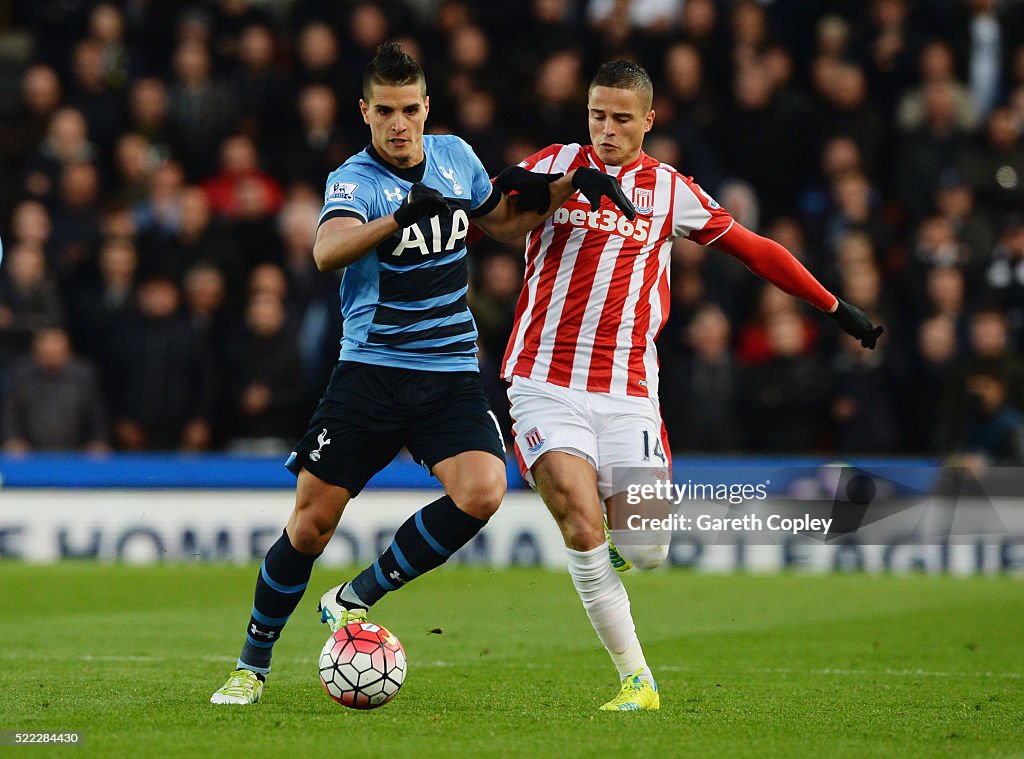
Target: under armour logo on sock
(397,577)
(268,634)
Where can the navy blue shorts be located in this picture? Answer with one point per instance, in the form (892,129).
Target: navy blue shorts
(369,413)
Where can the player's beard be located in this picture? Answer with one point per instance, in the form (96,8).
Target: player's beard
(404,154)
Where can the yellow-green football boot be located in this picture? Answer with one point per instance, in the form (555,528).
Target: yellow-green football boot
(637,695)
(242,687)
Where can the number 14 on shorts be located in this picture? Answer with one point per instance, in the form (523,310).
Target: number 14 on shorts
(658,452)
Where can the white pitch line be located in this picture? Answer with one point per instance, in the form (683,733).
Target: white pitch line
(781,670)
(84,657)
(827,671)
(863,672)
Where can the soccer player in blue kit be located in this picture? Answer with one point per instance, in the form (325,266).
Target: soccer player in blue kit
(395,217)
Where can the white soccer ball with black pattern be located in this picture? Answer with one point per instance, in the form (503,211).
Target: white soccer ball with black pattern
(362,665)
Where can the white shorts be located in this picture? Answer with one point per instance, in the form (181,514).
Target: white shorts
(609,431)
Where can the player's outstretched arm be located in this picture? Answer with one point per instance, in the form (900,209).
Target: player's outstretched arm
(526,201)
(530,197)
(529,190)
(771,261)
(344,240)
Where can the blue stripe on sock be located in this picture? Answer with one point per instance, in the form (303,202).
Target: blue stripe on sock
(430,538)
(259,643)
(244,665)
(405,565)
(278,586)
(263,619)
(381,579)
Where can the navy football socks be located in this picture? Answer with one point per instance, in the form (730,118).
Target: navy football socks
(283,577)
(424,541)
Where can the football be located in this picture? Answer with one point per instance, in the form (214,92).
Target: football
(362,665)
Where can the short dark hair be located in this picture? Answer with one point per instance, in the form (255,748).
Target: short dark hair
(393,67)
(625,75)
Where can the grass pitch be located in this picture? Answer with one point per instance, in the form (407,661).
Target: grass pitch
(785,665)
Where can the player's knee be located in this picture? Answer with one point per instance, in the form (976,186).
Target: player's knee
(309,538)
(649,554)
(310,530)
(482,496)
(580,533)
(582,529)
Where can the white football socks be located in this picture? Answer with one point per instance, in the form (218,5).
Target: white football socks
(605,600)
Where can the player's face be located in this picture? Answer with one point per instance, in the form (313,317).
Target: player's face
(618,122)
(396,116)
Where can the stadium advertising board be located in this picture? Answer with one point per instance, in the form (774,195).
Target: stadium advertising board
(206,525)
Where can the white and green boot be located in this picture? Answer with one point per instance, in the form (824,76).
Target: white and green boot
(242,687)
(334,613)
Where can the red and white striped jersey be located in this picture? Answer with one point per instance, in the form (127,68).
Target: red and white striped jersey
(596,291)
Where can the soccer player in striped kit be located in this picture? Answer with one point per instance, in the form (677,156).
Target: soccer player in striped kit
(581,361)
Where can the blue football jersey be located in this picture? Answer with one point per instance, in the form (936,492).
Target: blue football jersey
(404,303)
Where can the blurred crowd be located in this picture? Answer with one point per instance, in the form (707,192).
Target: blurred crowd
(163,168)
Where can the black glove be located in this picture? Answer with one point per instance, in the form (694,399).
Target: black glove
(596,184)
(855,322)
(421,202)
(532,190)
